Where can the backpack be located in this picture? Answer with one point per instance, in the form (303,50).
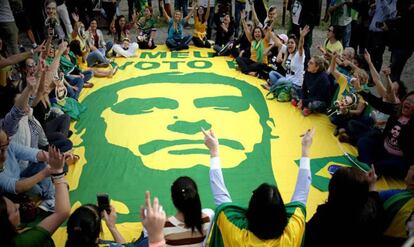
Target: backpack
(281,92)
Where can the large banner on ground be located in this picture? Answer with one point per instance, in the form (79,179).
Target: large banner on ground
(142,130)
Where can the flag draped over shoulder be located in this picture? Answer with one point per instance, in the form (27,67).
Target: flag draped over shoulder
(397,210)
(230,227)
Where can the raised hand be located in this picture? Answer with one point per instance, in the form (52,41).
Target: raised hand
(211,142)
(372,178)
(153,218)
(62,47)
(304,31)
(75,17)
(110,219)
(56,160)
(367,56)
(307,140)
(40,48)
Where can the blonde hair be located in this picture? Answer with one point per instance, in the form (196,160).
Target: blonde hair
(362,75)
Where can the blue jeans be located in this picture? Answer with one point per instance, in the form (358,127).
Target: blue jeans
(77,82)
(176,45)
(346,35)
(238,8)
(44,188)
(96,57)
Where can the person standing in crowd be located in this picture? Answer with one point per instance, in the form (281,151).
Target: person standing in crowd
(200,26)
(240,5)
(52,20)
(181,6)
(109,6)
(340,11)
(210,20)
(380,12)
(22,21)
(146,30)
(176,40)
(34,12)
(401,40)
(8,29)
(63,14)
(191,223)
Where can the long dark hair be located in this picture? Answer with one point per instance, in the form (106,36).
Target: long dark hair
(186,199)
(266,214)
(118,28)
(203,17)
(84,226)
(75,47)
(7,230)
(348,189)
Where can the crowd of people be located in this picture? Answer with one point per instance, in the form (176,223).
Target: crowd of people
(40,86)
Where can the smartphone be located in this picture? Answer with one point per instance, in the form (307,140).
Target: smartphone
(103,202)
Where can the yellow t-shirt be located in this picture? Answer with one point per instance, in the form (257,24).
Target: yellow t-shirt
(199,28)
(253,51)
(335,47)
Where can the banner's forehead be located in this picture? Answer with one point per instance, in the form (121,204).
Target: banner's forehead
(177,90)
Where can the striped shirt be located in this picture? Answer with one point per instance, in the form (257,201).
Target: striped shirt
(176,234)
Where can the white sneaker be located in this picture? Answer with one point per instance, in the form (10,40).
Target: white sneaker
(48,205)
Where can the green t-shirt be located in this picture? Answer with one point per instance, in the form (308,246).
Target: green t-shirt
(34,237)
(146,25)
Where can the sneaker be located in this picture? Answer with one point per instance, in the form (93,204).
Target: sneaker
(306,111)
(294,102)
(48,205)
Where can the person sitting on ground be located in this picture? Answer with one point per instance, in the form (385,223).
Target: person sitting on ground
(33,180)
(77,78)
(41,234)
(200,26)
(97,45)
(267,221)
(353,111)
(75,47)
(121,31)
(176,40)
(224,30)
(398,206)
(313,98)
(147,30)
(191,223)
(294,64)
(84,225)
(257,63)
(352,215)
(390,150)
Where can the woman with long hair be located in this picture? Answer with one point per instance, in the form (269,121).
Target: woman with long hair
(122,45)
(176,40)
(352,214)
(200,26)
(84,225)
(146,30)
(267,221)
(41,234)
(190,225)
(391,151)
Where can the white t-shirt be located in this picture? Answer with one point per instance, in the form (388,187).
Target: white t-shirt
(294,65)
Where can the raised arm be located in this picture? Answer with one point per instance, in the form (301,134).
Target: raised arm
(62,208)
(164,12)
(190,14)
(255,20)
(17,58)
(303,33)
(375,75)
(110,221)
(245,27)
(220,193)
(304,179)
(332,67)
